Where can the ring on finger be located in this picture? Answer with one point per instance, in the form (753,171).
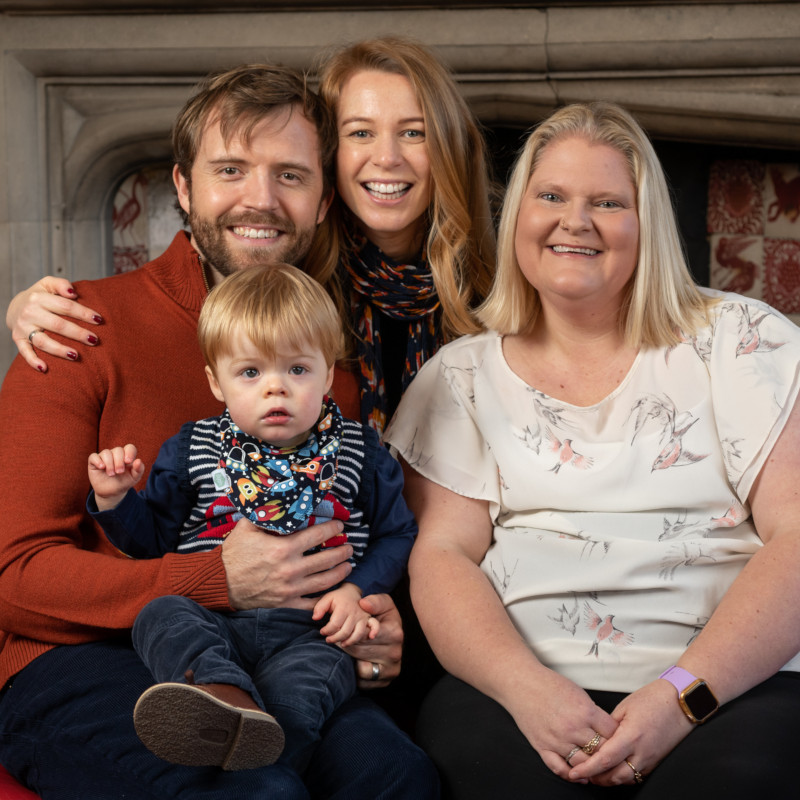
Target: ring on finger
(34,331)
(591,745)
(376,672)
(637,776)
(572,753)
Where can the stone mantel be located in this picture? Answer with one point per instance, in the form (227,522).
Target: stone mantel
(91,94)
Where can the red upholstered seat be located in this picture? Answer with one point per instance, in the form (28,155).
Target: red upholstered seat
(11,790)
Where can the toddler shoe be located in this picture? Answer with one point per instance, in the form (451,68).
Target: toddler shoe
(213,724)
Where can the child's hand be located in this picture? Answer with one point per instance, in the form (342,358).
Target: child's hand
(112,472)
(348,624)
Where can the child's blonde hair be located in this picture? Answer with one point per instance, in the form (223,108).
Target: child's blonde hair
(275,306)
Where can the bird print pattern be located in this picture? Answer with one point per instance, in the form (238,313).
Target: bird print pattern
(608,521)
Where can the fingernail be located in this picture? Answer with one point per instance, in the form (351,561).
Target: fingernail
(72,355)
(40,368)
(71,291)
(97,318)
(92,339)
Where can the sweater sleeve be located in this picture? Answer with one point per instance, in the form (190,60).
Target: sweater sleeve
(392,527)
(61,582)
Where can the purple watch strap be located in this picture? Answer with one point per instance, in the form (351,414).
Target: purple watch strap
(678,677)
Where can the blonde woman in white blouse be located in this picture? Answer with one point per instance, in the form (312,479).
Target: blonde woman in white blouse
(606,488)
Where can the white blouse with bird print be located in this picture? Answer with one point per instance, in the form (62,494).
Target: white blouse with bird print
(617,527)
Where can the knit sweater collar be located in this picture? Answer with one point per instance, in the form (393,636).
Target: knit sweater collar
(179,273)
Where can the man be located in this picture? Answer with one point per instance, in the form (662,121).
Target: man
(254,152)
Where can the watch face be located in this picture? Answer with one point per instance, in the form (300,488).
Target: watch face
(700,701)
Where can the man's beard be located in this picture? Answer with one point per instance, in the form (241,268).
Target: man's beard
(210,239)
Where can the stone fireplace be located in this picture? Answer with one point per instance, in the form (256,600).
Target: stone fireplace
(90,89)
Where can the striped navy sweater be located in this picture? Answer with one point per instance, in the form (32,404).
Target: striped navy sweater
(180,510)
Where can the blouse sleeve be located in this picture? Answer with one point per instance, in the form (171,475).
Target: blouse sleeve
(754,364)
(437,428)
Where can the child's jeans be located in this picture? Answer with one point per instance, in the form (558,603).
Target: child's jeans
(275,654)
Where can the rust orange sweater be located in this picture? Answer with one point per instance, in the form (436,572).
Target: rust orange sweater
(61,582)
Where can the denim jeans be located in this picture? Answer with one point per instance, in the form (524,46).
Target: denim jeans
(66,732)
(277,655)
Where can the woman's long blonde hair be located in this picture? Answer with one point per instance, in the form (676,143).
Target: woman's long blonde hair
(460,242)
(662,297)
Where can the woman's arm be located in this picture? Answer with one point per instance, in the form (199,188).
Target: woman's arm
(43,308)
(754,631)
(472,635)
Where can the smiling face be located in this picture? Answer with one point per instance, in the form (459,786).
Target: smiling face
(577,234)
(256,202)
(382,166)
(277,399)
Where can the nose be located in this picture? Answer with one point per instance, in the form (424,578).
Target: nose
(261,192)
(274,385)
(577,217)
(386,151)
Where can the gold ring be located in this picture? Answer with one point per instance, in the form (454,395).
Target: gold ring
(591,746)
(572,753)
(637,776)
(35,330)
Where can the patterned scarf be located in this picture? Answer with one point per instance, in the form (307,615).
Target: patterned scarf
(282,490)
(401,291)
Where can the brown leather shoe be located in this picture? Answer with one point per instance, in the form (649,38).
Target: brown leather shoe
(212,724)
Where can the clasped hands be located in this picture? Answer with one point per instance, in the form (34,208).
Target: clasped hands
(272,571)
(582,743)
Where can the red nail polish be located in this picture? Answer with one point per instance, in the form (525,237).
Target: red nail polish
(92,339)
(98,319)
(40,368)
(71,291)
(72,355)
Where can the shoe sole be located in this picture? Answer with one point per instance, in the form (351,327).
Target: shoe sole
(184,725)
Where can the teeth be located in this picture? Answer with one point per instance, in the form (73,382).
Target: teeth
(584,251)
(256,233)
(389,191)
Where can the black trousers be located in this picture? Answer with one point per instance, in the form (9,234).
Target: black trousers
(750,750)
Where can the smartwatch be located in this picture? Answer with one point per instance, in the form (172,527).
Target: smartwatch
(695,697)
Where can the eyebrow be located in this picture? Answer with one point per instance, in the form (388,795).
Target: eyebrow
(283,166)
(405,121)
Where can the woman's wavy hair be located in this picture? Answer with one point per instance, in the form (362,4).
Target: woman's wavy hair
(460,243)
(662,296)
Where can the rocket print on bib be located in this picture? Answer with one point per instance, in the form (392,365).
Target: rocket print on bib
(282,490)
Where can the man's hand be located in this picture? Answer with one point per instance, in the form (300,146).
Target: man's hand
(385,650)
(266,571)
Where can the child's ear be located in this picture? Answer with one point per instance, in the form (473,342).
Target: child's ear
(212,382)
(330,379)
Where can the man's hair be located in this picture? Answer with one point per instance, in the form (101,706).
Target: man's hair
(240,98)
(460,240)
(662,297)
(276,306)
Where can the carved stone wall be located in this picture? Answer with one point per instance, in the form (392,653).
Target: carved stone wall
(88,97)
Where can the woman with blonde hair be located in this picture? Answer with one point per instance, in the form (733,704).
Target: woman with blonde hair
(410,234)
(662,295)
(604,483)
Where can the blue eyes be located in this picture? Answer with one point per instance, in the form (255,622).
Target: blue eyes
(252,372)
